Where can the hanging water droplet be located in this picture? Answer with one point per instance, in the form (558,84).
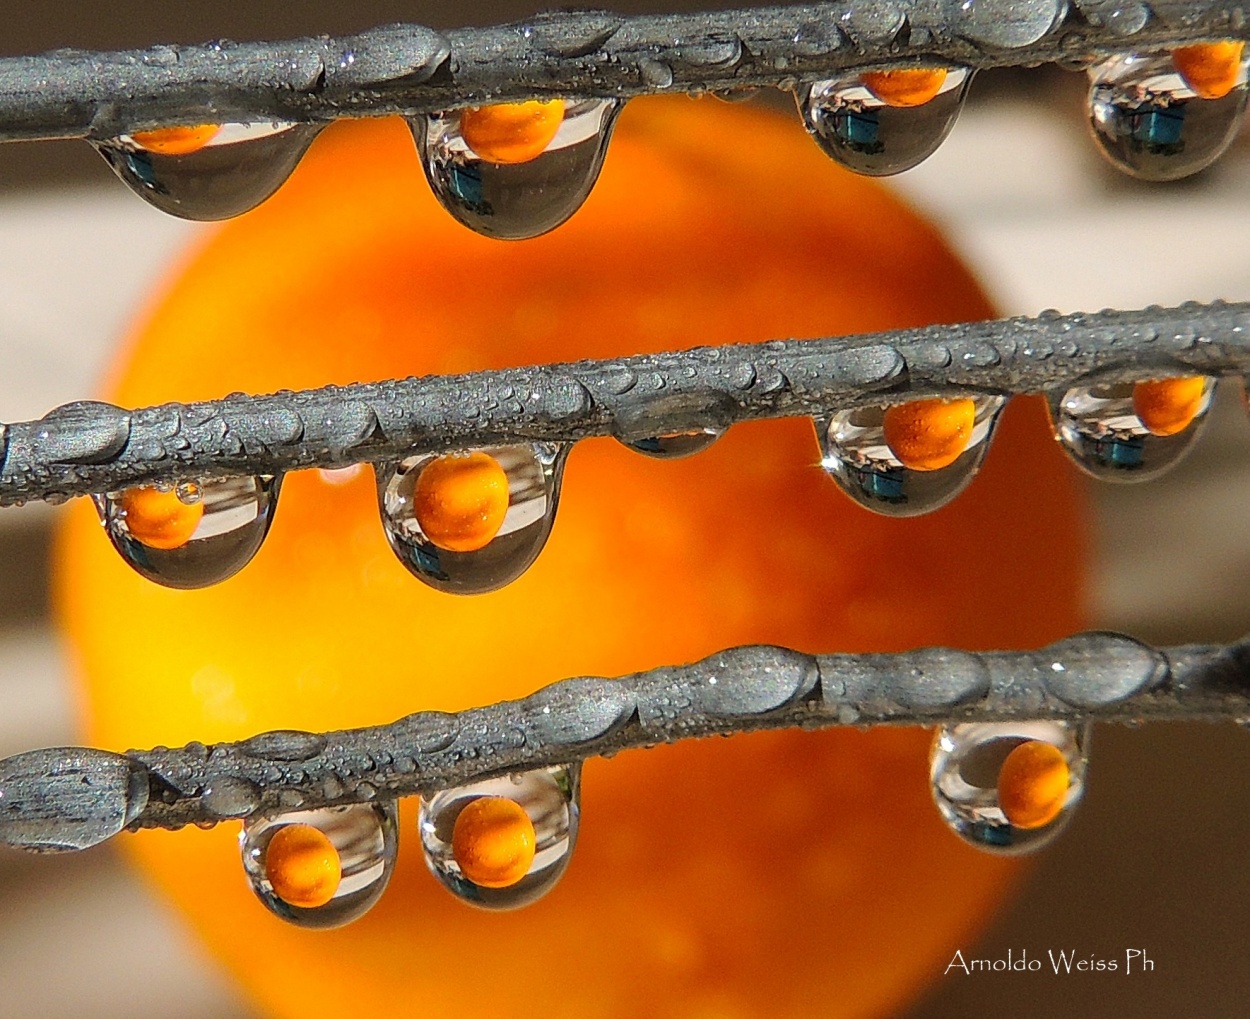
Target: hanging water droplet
(1008,787)
(321,868)
(884,122)
(1163,117)
(208,171)
(503,842)
(471,522)
(194,534)
(908,458)
(515,170)
(675,445)
(1131,431)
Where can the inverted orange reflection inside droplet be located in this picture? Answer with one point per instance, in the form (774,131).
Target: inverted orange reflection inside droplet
(1211,69)
(927,435)
(1168,406)
(1033,784)
(460,500)
(302,866)
(176,141)
(512,132)
(912,86)
(160,519)
(493,842)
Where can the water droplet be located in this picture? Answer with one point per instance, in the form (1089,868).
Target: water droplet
(1131,431)
(1008,787)
(208,171)
(675,445)
(1153,122)
(910,458)
(467,523)
(321,868)
(192,535)
(884,122)
(515,170)
(493,855)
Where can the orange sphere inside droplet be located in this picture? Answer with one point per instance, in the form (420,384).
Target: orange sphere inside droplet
(176,141)
(1169,406)
(493,842)
(460,500)
(511,132)
(911,86)
(1211,69)
(158,518)
(927,435)
(302,866)
(1033,784)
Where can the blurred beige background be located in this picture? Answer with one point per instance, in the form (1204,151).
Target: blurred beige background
(1156,857)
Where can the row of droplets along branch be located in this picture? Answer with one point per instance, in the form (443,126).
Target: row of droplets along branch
(410,68)
(514,170)
(320,825)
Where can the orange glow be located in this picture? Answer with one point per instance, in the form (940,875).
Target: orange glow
(461,500)
(159,519)
(176,141)
(493,842)
(303,866)
(1168,406)
(912,86)
(927,435)
(1033,784)
(512,132)
(1211,69)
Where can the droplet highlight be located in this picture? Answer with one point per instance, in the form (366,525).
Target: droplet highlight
(194,534)
(1163,117)
(503,842)
(208,171)
(885,122)
(321,868)
(1008,787)
(471,522)
(515,170)
(1131,431)
(908,458)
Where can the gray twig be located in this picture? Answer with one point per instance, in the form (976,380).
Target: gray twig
(411,69)
(91,447)
(64,799)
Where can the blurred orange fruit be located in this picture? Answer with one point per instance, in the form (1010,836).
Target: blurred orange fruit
(782,874)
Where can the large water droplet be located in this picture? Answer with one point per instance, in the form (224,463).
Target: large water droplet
(471,522)
(515,170)
(1008,787)
(208,171)
(1131,431)
(194,534)
(884,122)
(503,842)
(321,868)
(1153,123)
(909,458)
(675,445)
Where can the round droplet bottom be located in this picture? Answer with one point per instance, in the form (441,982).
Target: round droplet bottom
(1099,428)
(522,197)
(236,167)
(676,445)
(550,799)
(867,134)
(1150,123)
(1008,787)
(533,472)
(192,536)
(859,458)
(365,838)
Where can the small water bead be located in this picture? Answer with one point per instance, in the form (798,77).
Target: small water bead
(192,535)
(1131,431)
(208,171)
(908,458)
(675,445)
(321,868)
(471,522)
(884,122)
(515,170)
(1163,117)
(1008,787)
(503,842)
